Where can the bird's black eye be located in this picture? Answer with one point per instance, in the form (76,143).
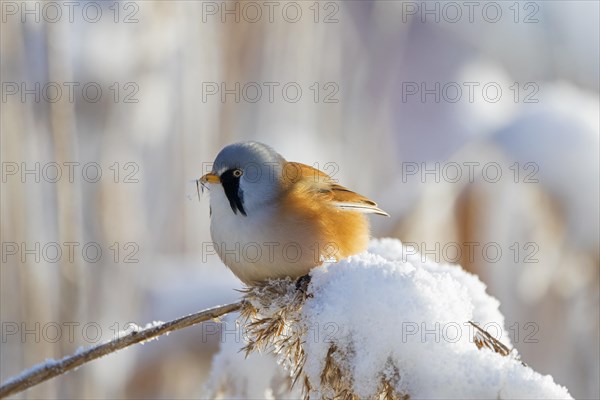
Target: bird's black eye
(237,173)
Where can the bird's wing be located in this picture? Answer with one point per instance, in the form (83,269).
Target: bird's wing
(340,196)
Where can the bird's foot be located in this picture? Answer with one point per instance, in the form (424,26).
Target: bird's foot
(302,283)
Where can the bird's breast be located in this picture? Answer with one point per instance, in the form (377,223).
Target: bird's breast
(287,238)
(262,245)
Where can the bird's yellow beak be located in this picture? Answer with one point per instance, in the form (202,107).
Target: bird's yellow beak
(210,178)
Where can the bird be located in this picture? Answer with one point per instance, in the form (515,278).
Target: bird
(271,218)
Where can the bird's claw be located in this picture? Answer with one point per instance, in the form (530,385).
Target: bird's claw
(302,283)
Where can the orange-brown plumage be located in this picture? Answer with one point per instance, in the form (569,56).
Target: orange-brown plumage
(307,202)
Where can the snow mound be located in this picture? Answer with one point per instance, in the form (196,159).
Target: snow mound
(388,322)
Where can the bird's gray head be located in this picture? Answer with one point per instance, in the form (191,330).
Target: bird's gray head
(248,173)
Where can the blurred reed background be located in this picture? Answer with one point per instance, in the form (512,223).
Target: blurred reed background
(369,111)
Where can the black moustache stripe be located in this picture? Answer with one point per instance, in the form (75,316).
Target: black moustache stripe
(235,195)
